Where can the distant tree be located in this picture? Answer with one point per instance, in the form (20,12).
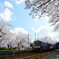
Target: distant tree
(37,43)
(43,8)
(49,45)
(57,45)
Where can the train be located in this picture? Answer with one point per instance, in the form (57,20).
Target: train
(42,46)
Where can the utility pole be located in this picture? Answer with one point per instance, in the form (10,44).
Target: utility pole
(35,36)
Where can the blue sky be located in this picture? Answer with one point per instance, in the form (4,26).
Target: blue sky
(13,12)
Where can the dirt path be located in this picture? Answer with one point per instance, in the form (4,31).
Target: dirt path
(28,56)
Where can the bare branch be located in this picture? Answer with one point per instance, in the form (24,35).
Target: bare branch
(44,3)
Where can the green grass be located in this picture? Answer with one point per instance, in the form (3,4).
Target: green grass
(51,58)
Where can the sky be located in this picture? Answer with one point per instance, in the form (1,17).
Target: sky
(13,12)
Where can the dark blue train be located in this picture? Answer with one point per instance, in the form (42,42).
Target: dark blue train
(39,45)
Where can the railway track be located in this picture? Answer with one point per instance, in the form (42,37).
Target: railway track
(29,56)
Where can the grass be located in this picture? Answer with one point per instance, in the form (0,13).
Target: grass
(51,58)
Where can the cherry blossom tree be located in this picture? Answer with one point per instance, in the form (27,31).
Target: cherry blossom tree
(41,8)
(47,39)
(22,41)
(5,33)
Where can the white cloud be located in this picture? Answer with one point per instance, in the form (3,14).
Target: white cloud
(8,4)
(19,1)
(6,15)
(42,28)
(46,31)
(21,30)
(54,35)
